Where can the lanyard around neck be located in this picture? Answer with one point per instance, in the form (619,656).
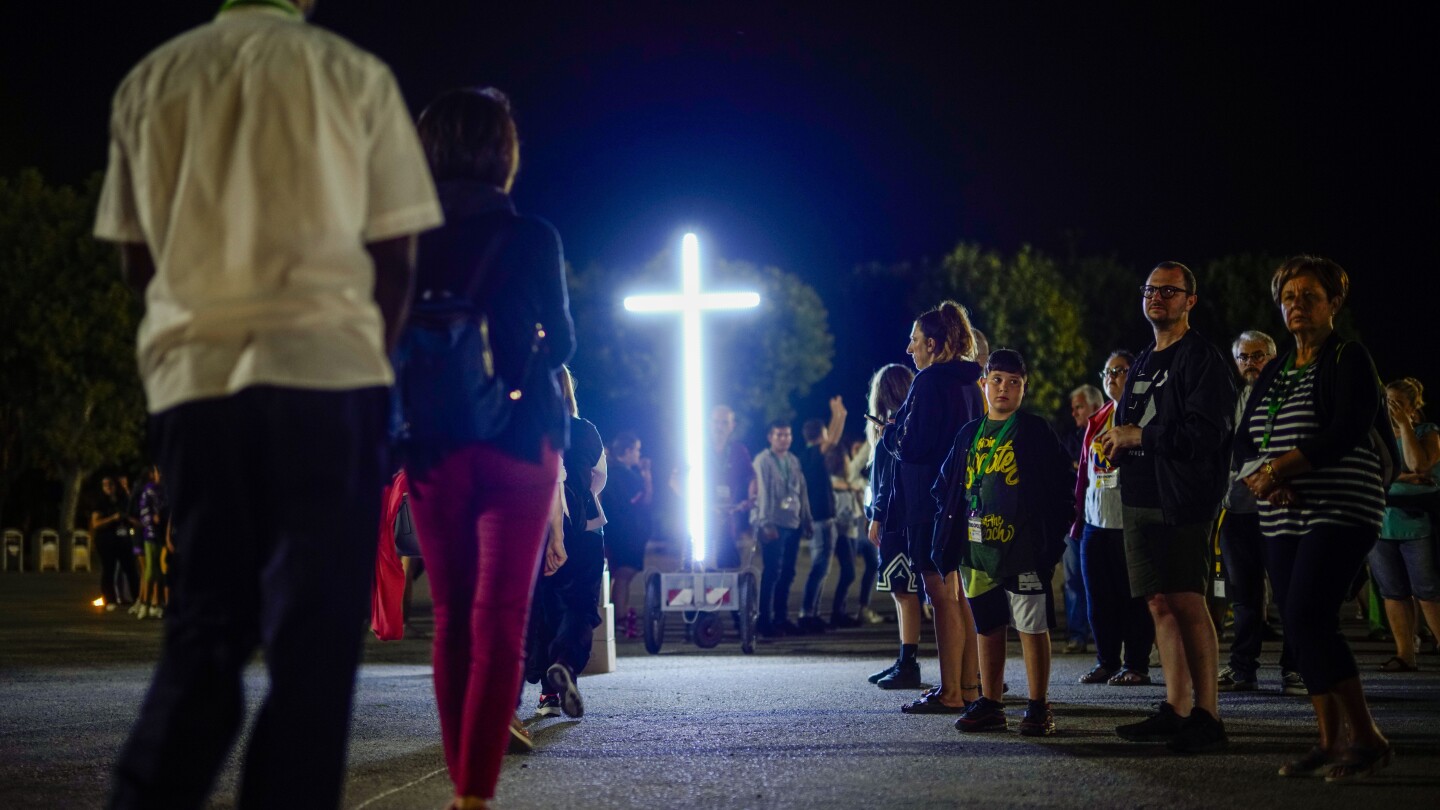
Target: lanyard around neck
(784,469)
(981,471)
(288,8)
(1277,400)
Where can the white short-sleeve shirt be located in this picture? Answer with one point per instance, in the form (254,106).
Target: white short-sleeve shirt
(256,156)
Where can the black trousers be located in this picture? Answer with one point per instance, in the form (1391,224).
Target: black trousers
(1316,572)
(566,609)
(119,574)
(276,497)
(1248,556)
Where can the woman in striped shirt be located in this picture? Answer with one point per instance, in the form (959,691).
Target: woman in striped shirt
(1318,473)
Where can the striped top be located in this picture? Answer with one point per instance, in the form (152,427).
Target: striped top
(1348,493)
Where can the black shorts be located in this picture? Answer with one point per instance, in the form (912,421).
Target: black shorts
(1162,558)
(1031,610)
(918,538)
(896,574)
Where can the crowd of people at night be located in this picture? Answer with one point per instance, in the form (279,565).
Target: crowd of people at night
(295,237)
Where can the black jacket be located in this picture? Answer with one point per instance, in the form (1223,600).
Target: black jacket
(942,398)
(1348,402)
(1046,496)
(1189,438)
(532,291)
(885,508)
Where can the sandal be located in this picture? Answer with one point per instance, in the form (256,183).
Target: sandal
(1398,664)
(1129,677)
(1317,762)
(1360,762)
(1100,674)
(930,704)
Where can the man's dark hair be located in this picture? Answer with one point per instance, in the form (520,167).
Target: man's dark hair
(1008,361)
(777,424)
(622,442)
(469,134)
(812,430)
(1189,276)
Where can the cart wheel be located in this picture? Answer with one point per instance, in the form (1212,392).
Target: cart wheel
(707,630)
(749,600)
(654,615)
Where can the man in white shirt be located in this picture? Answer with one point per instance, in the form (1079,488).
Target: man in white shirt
(265,186)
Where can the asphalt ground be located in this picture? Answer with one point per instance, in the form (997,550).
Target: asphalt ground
(794,725)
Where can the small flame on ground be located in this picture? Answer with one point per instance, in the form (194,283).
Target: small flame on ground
(99,602)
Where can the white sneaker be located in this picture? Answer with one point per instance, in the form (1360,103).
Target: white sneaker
(870,617)
(136,609)
(143,612)
(157,612)
(109,607)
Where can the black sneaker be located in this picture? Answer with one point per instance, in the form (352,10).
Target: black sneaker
(875,678)
(1200,733)
(785,627)
(1158,727)
(811,625)
(1232,681)
(983,714)
(1038,721)
(549,706)
(562,684)
(905,676)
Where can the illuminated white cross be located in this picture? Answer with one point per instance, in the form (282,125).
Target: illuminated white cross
(689,303)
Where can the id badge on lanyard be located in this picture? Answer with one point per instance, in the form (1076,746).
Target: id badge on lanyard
(1107,480)
(975,528)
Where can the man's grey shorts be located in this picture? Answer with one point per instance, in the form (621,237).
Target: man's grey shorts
(1167,559)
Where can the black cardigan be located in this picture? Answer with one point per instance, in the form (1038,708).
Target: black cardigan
(1348,403)
(1046,497)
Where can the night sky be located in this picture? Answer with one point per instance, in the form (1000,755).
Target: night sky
(817,139)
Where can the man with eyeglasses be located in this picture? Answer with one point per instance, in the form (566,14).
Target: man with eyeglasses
(1172,427)
(1244,550)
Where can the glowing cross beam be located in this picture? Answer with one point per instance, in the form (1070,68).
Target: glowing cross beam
(690,303)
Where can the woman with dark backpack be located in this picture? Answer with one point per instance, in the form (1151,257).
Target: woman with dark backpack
(482,458)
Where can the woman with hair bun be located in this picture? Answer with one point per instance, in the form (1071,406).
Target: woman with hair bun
(942,398)
(1403,562)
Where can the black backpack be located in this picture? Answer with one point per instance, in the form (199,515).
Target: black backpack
(447,390)
(407,540)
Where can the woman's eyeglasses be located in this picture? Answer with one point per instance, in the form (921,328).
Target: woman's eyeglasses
(1111,373)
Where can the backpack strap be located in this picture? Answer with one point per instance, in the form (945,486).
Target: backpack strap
(483,273)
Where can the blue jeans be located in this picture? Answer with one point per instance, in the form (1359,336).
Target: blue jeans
(1116,617)
(1077,615)
(845,553)
(778,557)
(1245,551)
(822,545)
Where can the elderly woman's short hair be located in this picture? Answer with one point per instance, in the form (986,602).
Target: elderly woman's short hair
(1331,277)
